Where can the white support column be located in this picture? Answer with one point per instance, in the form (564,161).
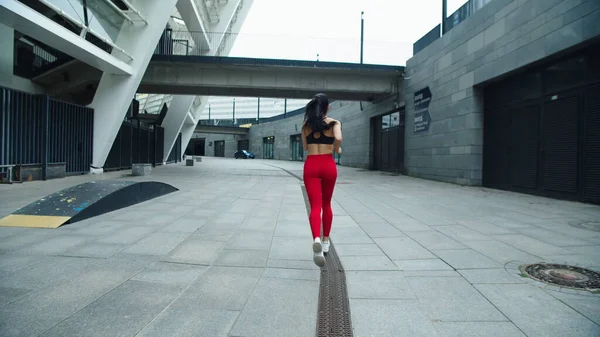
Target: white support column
(179,117)
(173,122)
(115,93)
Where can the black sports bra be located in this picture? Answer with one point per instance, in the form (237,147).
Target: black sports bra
(310,139)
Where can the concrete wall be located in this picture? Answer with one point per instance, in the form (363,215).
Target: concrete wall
(231,142)
(356,146)
(503,36)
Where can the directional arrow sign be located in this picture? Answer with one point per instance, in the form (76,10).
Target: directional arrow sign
(422,117)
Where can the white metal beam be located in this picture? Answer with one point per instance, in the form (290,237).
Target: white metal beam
(28,21)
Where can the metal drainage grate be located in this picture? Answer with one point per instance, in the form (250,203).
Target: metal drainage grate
(334,306)
(589,225)
(563,275)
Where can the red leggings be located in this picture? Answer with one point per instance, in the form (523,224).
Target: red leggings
(320,174)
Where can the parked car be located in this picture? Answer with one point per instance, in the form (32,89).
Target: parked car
(244,154)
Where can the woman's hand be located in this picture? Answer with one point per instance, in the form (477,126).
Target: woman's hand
(339,150)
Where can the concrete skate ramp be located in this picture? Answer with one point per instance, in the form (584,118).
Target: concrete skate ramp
(84,201)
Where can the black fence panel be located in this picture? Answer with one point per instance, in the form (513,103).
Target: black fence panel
(176,155)
(36,131)
(136,143)
(159,142)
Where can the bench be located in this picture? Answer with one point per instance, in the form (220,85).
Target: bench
(141,169)
(9,174)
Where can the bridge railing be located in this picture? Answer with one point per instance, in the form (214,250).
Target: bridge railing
(281,47)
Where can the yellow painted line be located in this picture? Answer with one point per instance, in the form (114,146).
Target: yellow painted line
(33,221)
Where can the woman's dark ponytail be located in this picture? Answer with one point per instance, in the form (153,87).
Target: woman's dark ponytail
(315,113)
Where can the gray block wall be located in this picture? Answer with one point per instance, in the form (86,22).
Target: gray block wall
(503,36)
(231,143)
(356,147)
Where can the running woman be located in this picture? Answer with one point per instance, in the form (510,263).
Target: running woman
(321,136)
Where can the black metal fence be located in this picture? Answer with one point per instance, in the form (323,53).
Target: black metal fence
(176,154)
(136,143)
(37,131)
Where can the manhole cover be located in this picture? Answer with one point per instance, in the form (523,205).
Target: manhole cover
(563,275)
(589,225)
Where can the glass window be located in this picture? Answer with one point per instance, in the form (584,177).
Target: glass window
(385,121)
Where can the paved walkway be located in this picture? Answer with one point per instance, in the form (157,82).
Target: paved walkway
(230,255)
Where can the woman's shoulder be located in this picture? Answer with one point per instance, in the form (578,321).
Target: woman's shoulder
(332,121)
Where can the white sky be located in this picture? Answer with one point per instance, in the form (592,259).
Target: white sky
(299,29)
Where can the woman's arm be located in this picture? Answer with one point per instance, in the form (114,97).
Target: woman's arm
(337,134)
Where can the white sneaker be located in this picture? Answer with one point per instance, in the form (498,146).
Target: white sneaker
(318,257)
(325,245)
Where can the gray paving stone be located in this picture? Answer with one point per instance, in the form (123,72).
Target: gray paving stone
(426,264)
(285,248)
(588,306)
(389,285)
(410,224)
(242,258)
(266,224)
(221,288)
(485,227)
(279,307)
(530,245)
(53,246)
(380,229)
(313,274)
(553,238)
(12,262)
(466,259)
(430,273)
(403,248)
(501,252)
(360,249)
(292,264)
(184,225)
(250,240)
(367,263)
(127,236)
(435,240)
(42,309)
(389,318)
(214,234)
(293,216)
(156,244)
(343,221)
(97,250)
(452,299)
(195,251)
(361,217)
(477,329)
(186,320)
(122,312)
(8,295)
(461,233)
(170,273)
(293,228)
(576,259)
(51,269)
(26,239)
(537,313)
(491,276)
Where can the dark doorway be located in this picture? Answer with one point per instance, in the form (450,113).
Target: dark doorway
(196,147)
(542,127)
(244,145)
(297,149)
(220,148)
(269,147)
(388,141)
